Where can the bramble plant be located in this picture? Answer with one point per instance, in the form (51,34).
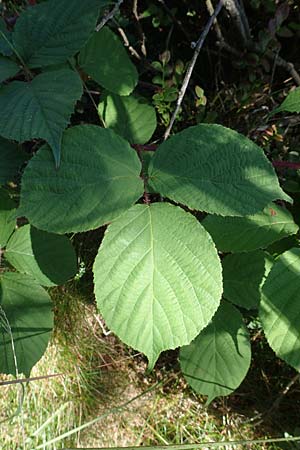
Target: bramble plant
(164,277)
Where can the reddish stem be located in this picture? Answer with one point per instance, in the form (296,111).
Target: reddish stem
(286,164)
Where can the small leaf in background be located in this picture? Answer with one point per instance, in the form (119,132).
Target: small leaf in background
(217,361)
(11,158)
(214,169)
(105,59)
(98,179)
(243,276)
(291,103)
(158,279)
(130,117)
(241,234)
(26,321)
(51,32)
(39,109)
(49,258)
(8,68)
(5,39)
(279,308)
(7,217)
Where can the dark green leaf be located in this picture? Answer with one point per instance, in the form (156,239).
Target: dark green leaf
(11,158)
(26,321)
(7,217)
(5,39)
(98,179)
(279,308)
(243,276)
(105,59)
(51,32)
(49,258)
(217,361)
(130,117)
(39,109)
(242,234)
(8,68)
(214,169)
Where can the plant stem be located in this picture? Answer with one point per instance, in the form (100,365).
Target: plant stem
(109,16)
(197,46)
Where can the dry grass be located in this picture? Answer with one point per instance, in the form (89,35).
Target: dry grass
(98,373)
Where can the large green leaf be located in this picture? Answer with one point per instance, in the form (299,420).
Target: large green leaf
(7,217)
(217,361)
(51,32)
(98,179)
(8,68)
(39,109)
(158,278)
(105,59)
(130,117)
(291,103)
(47,257)
(26,320)
(280,307)
(5,39)
(242,234)
(243,274)
(214,169)
(11,158)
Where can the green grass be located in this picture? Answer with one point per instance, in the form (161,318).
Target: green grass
(98,374)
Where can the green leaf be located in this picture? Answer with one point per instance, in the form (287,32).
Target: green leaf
(241,234)
(11,158)
(243,275)
(26,321)
(291,103)
(105,59)
(8,68)
(280,310)
(39,109)
(158,278)
(98,179)
(214,169)
(7,217)
(217,361)
(5,39)
(49,258)
(130,117)
(51,32)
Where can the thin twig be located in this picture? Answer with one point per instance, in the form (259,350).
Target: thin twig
(26,380)
(175,20)
(139,27)
(127,44)
(198,45)
(109,16)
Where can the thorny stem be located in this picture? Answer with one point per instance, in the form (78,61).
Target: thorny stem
(198,46)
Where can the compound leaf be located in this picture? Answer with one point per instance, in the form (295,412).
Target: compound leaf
(214,169)
(130,117)
(105,59)
(11,158)
(242,234)
(51,32)
(26,321)
(158,278)
(49,258)
(217,361)
(7,217)
(243,275)
(39,109)
(8,68)
(291,103)
(98,179)
(279,308)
